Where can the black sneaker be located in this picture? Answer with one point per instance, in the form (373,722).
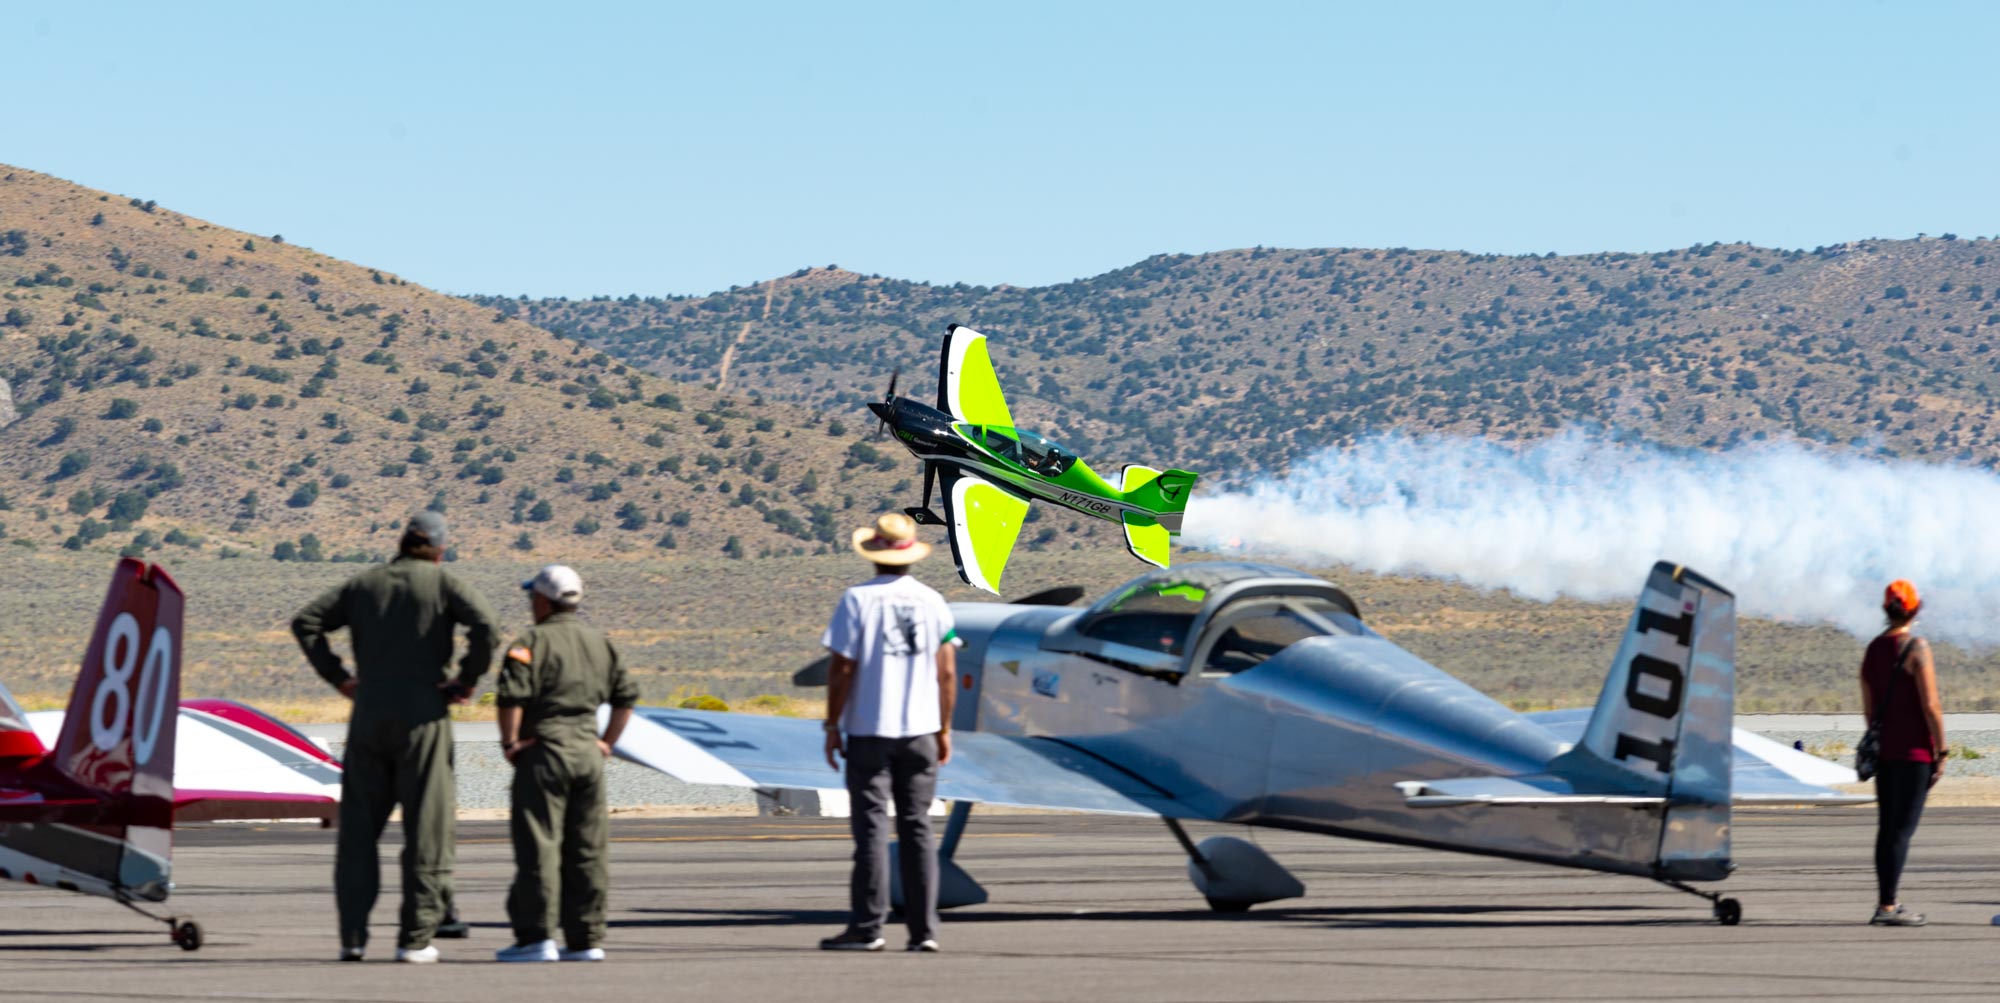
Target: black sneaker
(453,929)
(852,940)
(1898,916)
(928,945)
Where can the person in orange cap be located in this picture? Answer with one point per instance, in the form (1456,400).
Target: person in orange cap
(890,693)
(1899,697)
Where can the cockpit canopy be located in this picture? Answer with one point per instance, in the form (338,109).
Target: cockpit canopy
(1018,445)
(1211,618)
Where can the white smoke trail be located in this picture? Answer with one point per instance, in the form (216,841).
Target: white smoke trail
(1796,534)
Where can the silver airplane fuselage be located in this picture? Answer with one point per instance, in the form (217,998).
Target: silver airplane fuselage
(1315,738)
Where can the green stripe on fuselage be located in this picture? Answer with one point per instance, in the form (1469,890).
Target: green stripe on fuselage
(1078,488)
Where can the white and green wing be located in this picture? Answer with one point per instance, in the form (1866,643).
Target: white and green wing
(985,521)
(968,387)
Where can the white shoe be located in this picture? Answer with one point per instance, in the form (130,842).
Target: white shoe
(427,955)
(541,950)
(351,954)
(587,954)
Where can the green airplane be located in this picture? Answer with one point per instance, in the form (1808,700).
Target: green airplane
(993,470)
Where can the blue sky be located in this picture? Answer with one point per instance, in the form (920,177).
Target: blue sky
(581,148)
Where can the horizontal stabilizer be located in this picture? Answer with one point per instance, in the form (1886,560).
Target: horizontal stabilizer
(1762,772)
(1528,790)
(1147,539)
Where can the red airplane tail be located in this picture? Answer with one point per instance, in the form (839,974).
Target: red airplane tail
(117,739)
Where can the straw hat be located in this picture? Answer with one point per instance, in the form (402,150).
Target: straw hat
(892,540)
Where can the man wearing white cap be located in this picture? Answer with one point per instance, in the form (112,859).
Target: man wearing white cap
(552,681)
(890,689)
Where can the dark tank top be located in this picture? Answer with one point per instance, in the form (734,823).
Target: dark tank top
(1892,689)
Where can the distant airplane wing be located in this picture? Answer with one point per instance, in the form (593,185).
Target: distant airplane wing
(747,750)
(1764,772)
(968,388)
(985,519)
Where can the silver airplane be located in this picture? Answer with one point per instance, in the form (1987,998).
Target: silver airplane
(1254,694)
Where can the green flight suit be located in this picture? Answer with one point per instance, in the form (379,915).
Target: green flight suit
(401,619)
(559,673)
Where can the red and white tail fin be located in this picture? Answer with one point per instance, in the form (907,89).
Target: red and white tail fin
(118,734)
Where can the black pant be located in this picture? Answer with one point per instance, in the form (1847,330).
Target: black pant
(1899,802)
(904,770)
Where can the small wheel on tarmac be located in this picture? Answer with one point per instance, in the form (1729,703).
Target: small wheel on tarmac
(188,935)
(1228,905)
(1728,912)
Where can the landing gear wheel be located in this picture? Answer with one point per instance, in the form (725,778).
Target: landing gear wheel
(188,935)
(1728,912)
(1229,905)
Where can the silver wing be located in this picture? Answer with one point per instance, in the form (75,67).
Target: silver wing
(747,750)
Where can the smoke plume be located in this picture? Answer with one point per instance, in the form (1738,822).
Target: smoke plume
(1797,534)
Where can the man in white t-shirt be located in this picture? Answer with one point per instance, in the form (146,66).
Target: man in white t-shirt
(890,689)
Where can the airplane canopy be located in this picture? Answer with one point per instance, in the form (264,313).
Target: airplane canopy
(1018,445)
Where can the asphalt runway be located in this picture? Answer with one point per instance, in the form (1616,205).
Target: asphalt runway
(1090,909)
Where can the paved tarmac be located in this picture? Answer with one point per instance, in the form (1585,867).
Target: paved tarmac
(1094,909)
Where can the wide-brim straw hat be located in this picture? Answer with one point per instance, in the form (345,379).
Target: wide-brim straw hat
(892,540)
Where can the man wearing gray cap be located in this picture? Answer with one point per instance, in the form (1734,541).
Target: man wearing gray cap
(401,618)
(552,681)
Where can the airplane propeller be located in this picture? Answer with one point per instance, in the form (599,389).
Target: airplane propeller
(888,400)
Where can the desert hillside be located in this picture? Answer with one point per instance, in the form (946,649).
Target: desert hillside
(1246,360)
(173,383)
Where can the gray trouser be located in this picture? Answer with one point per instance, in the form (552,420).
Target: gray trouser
(902,770)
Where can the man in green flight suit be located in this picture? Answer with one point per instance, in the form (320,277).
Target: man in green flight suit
(401,619)
(552,681)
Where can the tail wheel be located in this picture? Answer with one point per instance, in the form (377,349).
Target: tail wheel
(188,935)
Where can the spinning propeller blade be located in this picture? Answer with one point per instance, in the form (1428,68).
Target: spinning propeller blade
(888,400)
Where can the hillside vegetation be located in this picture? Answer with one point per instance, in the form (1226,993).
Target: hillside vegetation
(690,625)
(181,387)
(1246,360)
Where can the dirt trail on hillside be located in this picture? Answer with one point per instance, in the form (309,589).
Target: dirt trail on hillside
(729,354)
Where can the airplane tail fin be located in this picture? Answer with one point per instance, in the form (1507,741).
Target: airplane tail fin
(118,734)
(1163,492)
(117,738)
(1664,721)
(1649,781)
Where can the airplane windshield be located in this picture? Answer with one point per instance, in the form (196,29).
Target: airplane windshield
(12,717)
(1043,456)
(1256,629)
(1153,613)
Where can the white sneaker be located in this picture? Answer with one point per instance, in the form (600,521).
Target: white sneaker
(351,953)
(541,950)
(587,954)
(427,955)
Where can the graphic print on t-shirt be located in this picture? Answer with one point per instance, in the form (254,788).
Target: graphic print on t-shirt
(900,638)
